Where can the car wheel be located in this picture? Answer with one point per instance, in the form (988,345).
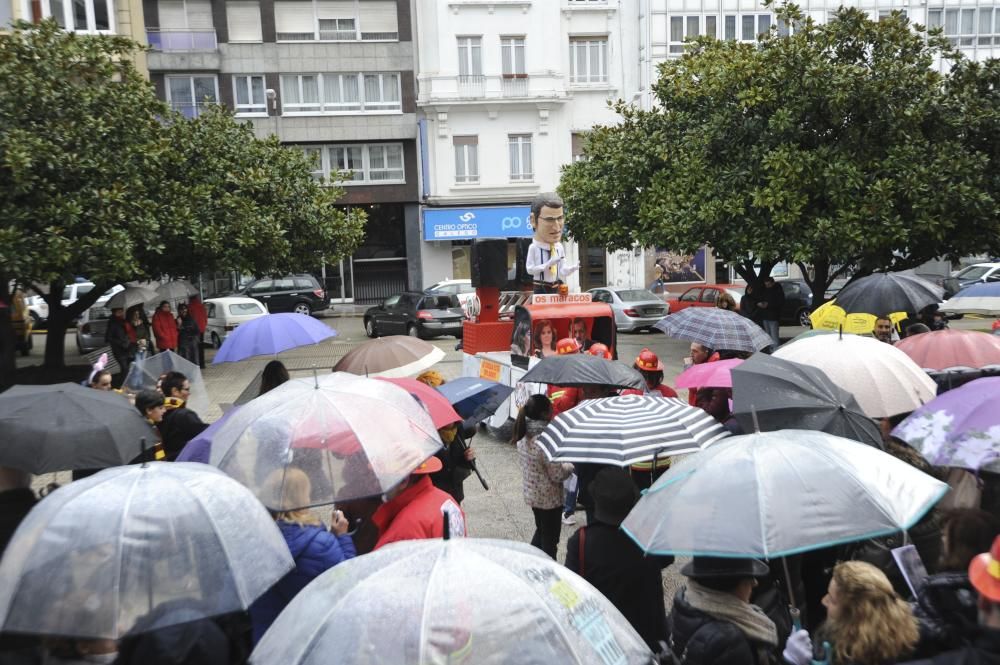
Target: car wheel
(370,328)
(302,308)
(804,318)
(412,330)
(216,342)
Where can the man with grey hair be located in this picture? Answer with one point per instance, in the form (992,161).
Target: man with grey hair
(546,260)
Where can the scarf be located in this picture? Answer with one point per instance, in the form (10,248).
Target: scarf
(750,619)
(173,403)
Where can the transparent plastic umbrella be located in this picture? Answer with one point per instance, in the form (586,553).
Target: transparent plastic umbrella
(129,296)
(144,375)
(451,601)
(779,493)
(353,437)
(161,543)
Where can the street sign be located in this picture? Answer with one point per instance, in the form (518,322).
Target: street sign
(471,223)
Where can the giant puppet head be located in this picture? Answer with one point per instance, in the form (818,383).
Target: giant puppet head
(547,218)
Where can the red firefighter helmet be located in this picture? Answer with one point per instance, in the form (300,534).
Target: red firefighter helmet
(648,362)
(567,345)
(601,350)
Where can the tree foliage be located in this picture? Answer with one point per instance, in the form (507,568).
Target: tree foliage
(837,147)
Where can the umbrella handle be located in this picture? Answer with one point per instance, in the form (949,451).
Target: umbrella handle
(472,465)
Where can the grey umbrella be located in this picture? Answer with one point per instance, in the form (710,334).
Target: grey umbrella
(782,394)
(66,426)
(883,293)
(583,370)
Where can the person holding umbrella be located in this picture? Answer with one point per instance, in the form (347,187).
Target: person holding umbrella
(188,334)
(118,336)
(180,424)
(415,509)
(165,327)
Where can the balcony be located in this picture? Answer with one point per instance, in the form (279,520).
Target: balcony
(181,41)
(514,85)
(471,85)
(503,88)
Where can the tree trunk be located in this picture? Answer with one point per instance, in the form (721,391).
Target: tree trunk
(8,363)
(61,317)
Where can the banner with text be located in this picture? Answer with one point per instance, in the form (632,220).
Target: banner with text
(472,223)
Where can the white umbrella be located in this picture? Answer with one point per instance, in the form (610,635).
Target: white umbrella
(883,379)
(393,357)
(144,374)
(156,544)
(451,601)
(176,290)
(774,494)
(130,295)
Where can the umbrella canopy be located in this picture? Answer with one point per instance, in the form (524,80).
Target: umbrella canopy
(945,349)
(709,375)
(145,375)
(270,335)
(981,299)
(583,370)
(812,332)
(888,292)
(175,290)
(353,437)
(450,601)
(475,398)
(66,426)
(771,393)
(883,379)
(831,316)
(627,429)
(131,295)
(959,428)
(715,328)
(438,407)
(779,493)
(136,543)
(391,357)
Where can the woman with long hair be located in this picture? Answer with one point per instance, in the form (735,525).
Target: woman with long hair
(274,375)
(544,336)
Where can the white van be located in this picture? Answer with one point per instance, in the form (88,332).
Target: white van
(225,314)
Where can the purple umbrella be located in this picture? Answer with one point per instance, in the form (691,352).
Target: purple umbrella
(199,449)
(959,428)
(270,335)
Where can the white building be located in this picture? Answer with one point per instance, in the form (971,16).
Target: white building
(505,87)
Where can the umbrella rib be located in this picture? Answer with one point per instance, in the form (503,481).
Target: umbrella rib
(423,604)
(119,545)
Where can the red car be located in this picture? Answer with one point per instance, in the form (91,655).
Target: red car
(704,295)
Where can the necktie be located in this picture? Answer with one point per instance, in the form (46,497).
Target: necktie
(553,269)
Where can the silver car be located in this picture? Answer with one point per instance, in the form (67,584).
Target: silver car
(635,309)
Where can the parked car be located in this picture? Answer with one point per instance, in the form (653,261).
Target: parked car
(38,309)
(417,315)
(459,287)
(634,309)
(974,274)
(835,287)
(226,314)
(798,302)
(704,296)
(93,323)
(301,293)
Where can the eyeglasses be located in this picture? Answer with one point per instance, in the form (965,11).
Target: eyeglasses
(552,220)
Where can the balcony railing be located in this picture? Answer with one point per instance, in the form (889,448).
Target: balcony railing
(191,110)
(471,85)
(175,41)
(514,85)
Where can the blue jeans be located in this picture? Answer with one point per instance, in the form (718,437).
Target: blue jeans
(771,328)
(569,506)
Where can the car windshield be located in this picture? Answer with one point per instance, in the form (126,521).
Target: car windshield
(635,295)
(245,308)
(974,272)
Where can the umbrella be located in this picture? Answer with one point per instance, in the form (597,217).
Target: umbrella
(832,317)
(391,357)
(66,426)
(981,299)
(130,295)
(178,289)
(881,377)
(474,398)
(715,328)
(145,375)
(812,332)
(946,349)
(583,370)
(136,543)
(709,375)
(438,407)
(888,292)
(775,494)
(270,335)
(353,437)
(770,393)
(199,449)
(959,428)
(627,429)
(451,601)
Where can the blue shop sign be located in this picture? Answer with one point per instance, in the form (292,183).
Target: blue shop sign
(471,223)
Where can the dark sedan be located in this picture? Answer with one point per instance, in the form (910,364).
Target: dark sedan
(417,315)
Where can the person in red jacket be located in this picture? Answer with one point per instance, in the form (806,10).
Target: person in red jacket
(415,509)
(649,365)
(564,398)
(165,328)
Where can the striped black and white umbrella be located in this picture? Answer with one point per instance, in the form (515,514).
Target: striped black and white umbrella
(627,429)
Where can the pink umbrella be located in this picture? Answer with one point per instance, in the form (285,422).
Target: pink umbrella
(943,349)
(709,375)
(440,409)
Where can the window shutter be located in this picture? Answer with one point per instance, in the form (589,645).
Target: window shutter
(293,17)
(335,8)
(199,15)
(244,21)
(379,16)
(172,15)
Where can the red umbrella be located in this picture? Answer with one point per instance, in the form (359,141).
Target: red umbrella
(943,349)
(437,405)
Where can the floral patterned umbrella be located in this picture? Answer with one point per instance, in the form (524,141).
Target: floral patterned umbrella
(959,428)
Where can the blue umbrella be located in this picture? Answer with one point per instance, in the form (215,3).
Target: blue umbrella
(270,335)
(475,398)
(199,449)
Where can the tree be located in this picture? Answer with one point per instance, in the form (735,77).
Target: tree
(837,147)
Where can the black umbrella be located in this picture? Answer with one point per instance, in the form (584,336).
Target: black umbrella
(66,426)
(771,393)
(583,370)
(884,293)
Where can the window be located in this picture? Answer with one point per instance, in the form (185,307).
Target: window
(242,309)
(512,57)
(340,93)
(348,158)
(385,162)
(520,157)
(243,19)
(466,159)
(691,295)
(964,27)
(576,146)
(250,95)
(470,56)
(185,25)
(336,20)
(80,15)
(263,286)
(188,95)
(374,163)
(588,60)
(746,27)
(337,29)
